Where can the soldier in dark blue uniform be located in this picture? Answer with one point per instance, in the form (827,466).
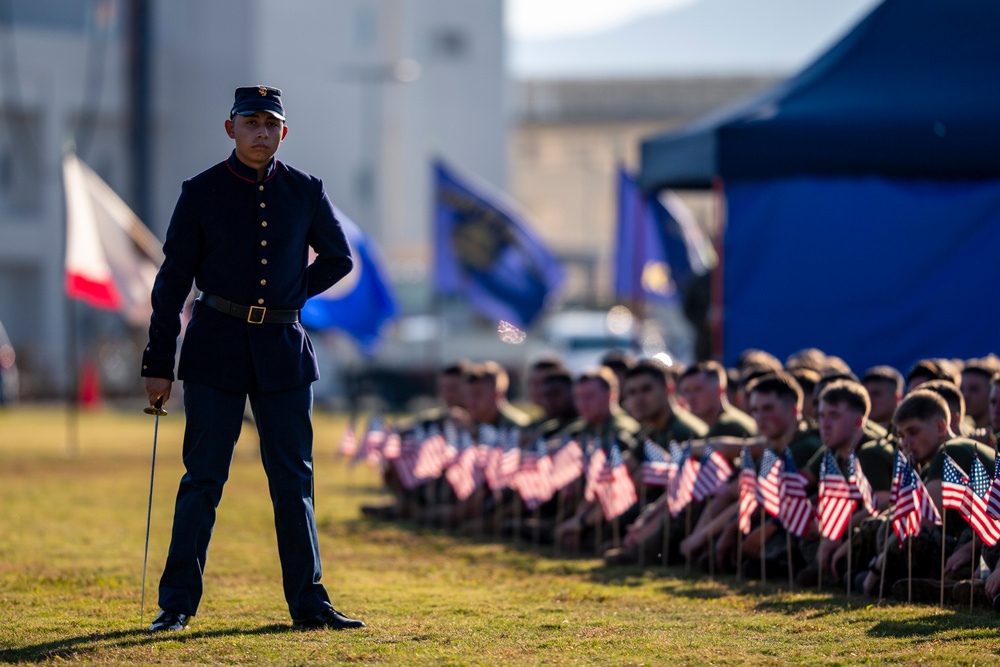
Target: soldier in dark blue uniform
(242,231)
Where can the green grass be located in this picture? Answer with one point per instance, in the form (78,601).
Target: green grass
(71,543)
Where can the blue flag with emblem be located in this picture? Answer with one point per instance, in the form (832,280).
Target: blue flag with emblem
(486,252)
(362,302)
(660,246)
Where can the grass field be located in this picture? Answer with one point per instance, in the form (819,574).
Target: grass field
(72,529)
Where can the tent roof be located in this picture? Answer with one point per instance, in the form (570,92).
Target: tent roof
(909,92)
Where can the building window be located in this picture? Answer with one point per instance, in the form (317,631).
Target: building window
(449,43)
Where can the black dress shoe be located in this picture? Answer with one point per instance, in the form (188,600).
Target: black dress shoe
(330,618)
(170,620)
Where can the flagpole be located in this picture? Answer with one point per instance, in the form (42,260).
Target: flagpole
(850,548)
(788,555)
(666,529)
(687,531)
(739,551)
(909,569)
(72,394)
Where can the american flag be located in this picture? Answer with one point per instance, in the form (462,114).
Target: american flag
(615,489)
(715,471)
(975,512)
(912,502)
(463,474)
(372,442)
(797,513)
(567,465)
(767,482)
(594,467)
(684,471)
(532,480)
(861,489)
(835,503)
(954,484)
(503,460)
(655,468)
(748,490)
(435,454)
(349,442)
(409,448)
(993,502)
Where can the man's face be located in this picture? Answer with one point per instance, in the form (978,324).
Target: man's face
(257,137)
(976,391)
(555,399)
(839,425)
(922,438)
(645,397)
(451,390)
(593,401)
(481,401)
(774,416)
(995,407)
(884,400)
(536,379)
(703,395)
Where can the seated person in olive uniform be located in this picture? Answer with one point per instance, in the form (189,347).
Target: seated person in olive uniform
(843,411)
(537,372)
(885,387)
(555,398)
(872,431)
(650,396)
(451,389)
(922,421)
(952,395)
(484,391)
(704,388)
(775,403)
(601,421)
(932,369)
(976,377)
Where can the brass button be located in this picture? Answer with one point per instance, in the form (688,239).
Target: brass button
(260,301)
(263,282)
(260,187)
(145,367)
(263,224)
(263,242)
(263,205)
(263,261)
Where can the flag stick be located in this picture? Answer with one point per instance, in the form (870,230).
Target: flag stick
(598,529)
(560,509)
(788,555)
(666,530)
(972,576)
(497,514)
(909,569)
(850,548)
(616,533)
(739,552)
(536,528)
(687,531)
(819,579)
(944,513)
(711,553)
(642,506)
(885,555)
(763,544)
(518,502)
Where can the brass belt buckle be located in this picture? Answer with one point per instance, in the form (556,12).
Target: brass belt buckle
(259,319)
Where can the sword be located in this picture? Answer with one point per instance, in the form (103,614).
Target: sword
(158,411)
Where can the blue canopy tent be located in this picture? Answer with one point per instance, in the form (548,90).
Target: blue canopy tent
(861,196)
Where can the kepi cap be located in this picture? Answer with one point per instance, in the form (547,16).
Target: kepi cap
(251,99)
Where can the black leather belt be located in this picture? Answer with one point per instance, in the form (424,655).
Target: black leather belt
(251,314)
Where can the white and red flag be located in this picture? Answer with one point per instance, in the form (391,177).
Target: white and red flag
(111,257)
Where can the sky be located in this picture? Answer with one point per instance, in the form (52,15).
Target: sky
(544,19)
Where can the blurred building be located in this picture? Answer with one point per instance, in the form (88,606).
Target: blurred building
(374,89)
(571,136)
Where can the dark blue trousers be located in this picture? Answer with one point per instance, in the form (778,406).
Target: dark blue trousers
(284,423)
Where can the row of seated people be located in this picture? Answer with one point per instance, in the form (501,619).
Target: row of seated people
(693,441)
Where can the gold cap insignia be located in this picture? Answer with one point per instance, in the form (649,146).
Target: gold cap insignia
(263,91)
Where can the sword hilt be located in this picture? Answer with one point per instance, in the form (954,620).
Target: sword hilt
(156,409)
